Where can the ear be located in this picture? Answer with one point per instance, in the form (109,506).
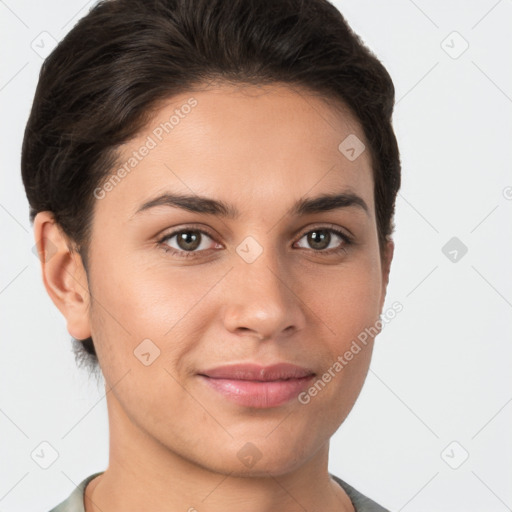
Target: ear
(387,257)
(64,274)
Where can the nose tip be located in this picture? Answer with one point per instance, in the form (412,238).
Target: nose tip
(261,304)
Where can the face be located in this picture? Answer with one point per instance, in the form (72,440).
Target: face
(178,292)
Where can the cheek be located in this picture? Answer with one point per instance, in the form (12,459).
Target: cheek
(135,303)
(142,332)
(349,300)
(348,308)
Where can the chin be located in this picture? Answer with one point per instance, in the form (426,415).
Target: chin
(261,458)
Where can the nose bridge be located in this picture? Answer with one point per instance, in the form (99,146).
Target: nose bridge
(262,299)
(259,262)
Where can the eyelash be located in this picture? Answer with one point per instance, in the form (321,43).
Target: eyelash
(191,254)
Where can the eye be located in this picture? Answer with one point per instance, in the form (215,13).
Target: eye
(188,242)
(321,240)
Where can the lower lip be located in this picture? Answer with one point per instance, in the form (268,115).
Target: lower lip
(259,394)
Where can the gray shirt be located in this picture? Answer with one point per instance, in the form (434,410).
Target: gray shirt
(75,501)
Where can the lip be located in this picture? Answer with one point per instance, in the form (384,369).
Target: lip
(261,387)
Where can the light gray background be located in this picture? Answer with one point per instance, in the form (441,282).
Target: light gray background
(441,368)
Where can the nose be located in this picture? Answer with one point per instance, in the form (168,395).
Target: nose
(261,300)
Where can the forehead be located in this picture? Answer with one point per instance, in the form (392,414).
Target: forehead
(252,144)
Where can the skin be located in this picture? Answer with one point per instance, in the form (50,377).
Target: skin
(174,441)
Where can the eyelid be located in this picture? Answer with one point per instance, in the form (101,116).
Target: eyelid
(328,226)
(185,227)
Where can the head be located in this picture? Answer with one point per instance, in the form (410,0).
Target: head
(268,110)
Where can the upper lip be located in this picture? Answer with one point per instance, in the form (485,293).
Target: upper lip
(251,371)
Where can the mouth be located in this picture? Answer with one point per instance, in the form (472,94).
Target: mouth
(255,386)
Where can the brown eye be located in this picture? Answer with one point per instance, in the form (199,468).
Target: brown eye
(320,240)
(187,243)
(188,240)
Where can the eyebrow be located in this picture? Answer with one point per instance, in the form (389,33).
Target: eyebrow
(208,206)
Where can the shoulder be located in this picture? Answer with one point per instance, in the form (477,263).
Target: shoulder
(360,501)
(75,501)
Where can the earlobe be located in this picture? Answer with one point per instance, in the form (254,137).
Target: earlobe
(63,273)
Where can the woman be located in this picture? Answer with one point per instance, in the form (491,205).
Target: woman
(212,186)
